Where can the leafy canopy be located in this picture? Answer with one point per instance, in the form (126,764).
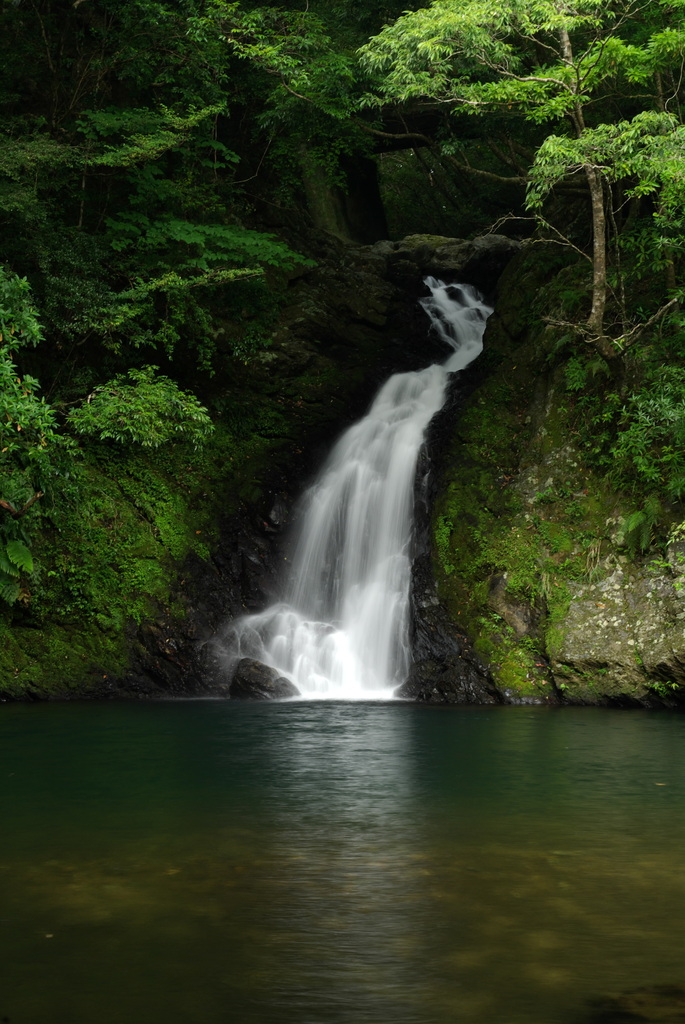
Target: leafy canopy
(482,55)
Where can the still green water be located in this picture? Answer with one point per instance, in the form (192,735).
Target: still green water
(208,862)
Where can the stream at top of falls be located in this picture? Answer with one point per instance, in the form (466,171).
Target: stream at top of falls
(342,628)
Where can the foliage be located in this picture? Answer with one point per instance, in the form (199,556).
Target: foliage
(117,193)
(663,688)
(546,62)
(647,150)
(19,324)
(650,445)
(32,453)
(142,408)
(292,46)
(150,149)
(636,530)
(578,372)
(442,532)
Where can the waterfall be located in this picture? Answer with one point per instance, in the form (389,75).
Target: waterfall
(342,629)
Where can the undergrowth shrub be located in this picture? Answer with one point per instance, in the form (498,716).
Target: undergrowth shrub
(650,442)
(142,408)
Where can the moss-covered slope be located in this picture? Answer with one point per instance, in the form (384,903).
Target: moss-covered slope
(529,540)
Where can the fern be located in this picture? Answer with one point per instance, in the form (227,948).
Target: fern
(576,374)
(19,555)
(9,590)
(14,556)
(637,530)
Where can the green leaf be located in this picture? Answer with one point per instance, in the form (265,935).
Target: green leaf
(6,567)
(9,592)
(18,553)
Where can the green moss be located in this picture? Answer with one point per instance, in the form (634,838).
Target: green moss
(108,554)
(515,663)
(556,536)
(558,601)
(487,525)
(56,660)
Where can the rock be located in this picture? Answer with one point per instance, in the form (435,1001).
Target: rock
(675,553)
(445,669)
(479,261)
(520,615)
(345,327)
(653,1004)
(279,514)
(522,278)
(521,503)
(625,630)
(253,680)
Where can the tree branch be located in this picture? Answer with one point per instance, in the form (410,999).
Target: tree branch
(508,160)
(629,339)
(563,240)
(17,513)
(414,137)
(489,175)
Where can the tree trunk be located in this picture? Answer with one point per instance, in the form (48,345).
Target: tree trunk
(595,323)
(599,252)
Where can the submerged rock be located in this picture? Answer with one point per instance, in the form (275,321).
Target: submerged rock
(253,680)
(653,1004)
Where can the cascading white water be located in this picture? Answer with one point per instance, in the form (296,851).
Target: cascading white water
(342,629)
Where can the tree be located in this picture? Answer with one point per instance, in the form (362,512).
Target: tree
(118,197)
(553,61)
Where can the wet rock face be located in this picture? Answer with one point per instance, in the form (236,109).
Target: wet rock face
(254,681)
(479,261)
(445,669)
(533,561)
(179,656)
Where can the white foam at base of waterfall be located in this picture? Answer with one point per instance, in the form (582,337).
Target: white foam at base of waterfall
(342,630)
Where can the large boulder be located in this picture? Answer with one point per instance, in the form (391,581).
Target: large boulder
(253,680)
(625,631)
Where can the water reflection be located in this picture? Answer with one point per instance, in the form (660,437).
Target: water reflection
(329,863)
(349,889)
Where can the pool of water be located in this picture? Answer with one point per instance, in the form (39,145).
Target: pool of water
(206,862)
